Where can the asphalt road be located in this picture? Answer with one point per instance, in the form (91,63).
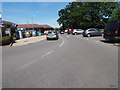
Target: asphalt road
(70,62)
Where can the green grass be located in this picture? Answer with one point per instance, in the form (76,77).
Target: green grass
(102,29)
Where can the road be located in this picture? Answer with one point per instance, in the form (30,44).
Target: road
(70,62)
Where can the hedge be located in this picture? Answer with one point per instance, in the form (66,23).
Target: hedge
(6,40)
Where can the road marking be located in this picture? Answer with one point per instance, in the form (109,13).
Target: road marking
(96,41)
(67,36)
(61,43)
(24,66)
(87,39)
(47,54)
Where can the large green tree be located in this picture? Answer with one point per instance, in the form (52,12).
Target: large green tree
(86,14)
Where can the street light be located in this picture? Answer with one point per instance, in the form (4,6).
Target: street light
(32,20)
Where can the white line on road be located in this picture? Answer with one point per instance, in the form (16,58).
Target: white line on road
(87,39)
(24,66)
(47,54)
(61,43)
(97,41)
(67,36)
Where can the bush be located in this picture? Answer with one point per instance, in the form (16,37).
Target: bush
(102,29)
(42,34)
(5,40)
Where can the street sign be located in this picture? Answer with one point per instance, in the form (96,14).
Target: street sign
(1,22)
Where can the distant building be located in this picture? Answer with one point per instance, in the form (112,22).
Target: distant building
(8,28)
(32,29)
(35,27)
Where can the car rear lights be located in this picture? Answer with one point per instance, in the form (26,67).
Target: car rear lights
(116,32)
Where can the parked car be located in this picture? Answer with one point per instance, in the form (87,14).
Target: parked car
(66,31)
(112,31)
(61,32)
(45,32)
(77,31)
(52,35)
(69,31)
(92,32)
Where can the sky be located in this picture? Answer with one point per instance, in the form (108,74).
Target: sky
(39,12)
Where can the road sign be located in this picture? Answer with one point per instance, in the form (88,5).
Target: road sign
(1,22)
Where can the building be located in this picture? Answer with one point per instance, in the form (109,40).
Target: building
(8,28)
(32,29)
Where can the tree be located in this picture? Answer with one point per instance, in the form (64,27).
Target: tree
(86,14)
(115,14)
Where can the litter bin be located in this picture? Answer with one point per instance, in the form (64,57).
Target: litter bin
(27,33)
(23,34)
(38,33)
(17,34)
(33,33)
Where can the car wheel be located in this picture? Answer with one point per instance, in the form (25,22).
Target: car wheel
(89,35)
(47,39)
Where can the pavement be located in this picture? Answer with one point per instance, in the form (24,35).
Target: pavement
(27,40)
(70,62)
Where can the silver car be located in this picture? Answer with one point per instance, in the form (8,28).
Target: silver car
(92,32)
(52,35)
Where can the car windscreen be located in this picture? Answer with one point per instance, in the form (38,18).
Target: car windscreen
(79,30)
(51,32)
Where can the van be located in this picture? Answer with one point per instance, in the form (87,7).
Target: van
(112,31)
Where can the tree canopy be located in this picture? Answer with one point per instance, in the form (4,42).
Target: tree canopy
(88,14)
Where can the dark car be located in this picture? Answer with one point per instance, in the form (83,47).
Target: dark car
(92,32)
(112,31)
(52,35)
(61,32)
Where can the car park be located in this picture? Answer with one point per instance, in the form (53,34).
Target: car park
(112,31)
(92,32)
(52,35)
(77,31)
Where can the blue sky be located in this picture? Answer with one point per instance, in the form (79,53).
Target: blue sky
(42,12)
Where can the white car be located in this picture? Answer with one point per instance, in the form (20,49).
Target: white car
(66,31)
(45,32)
(77,31)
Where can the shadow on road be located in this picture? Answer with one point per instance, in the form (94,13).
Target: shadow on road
(112,42)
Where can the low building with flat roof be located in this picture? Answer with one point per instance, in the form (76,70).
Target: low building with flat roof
(35,27)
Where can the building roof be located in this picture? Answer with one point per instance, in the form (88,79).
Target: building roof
(8,23)
(33,25)
(28,25)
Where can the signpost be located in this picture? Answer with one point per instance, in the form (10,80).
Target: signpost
(1,18)
(1,22)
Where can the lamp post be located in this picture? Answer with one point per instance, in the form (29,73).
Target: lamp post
(32,22)
(1,22)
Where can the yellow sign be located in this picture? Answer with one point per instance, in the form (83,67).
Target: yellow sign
(33,32)
(27,32)
(0,15)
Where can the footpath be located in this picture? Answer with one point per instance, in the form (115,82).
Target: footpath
(28,40)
